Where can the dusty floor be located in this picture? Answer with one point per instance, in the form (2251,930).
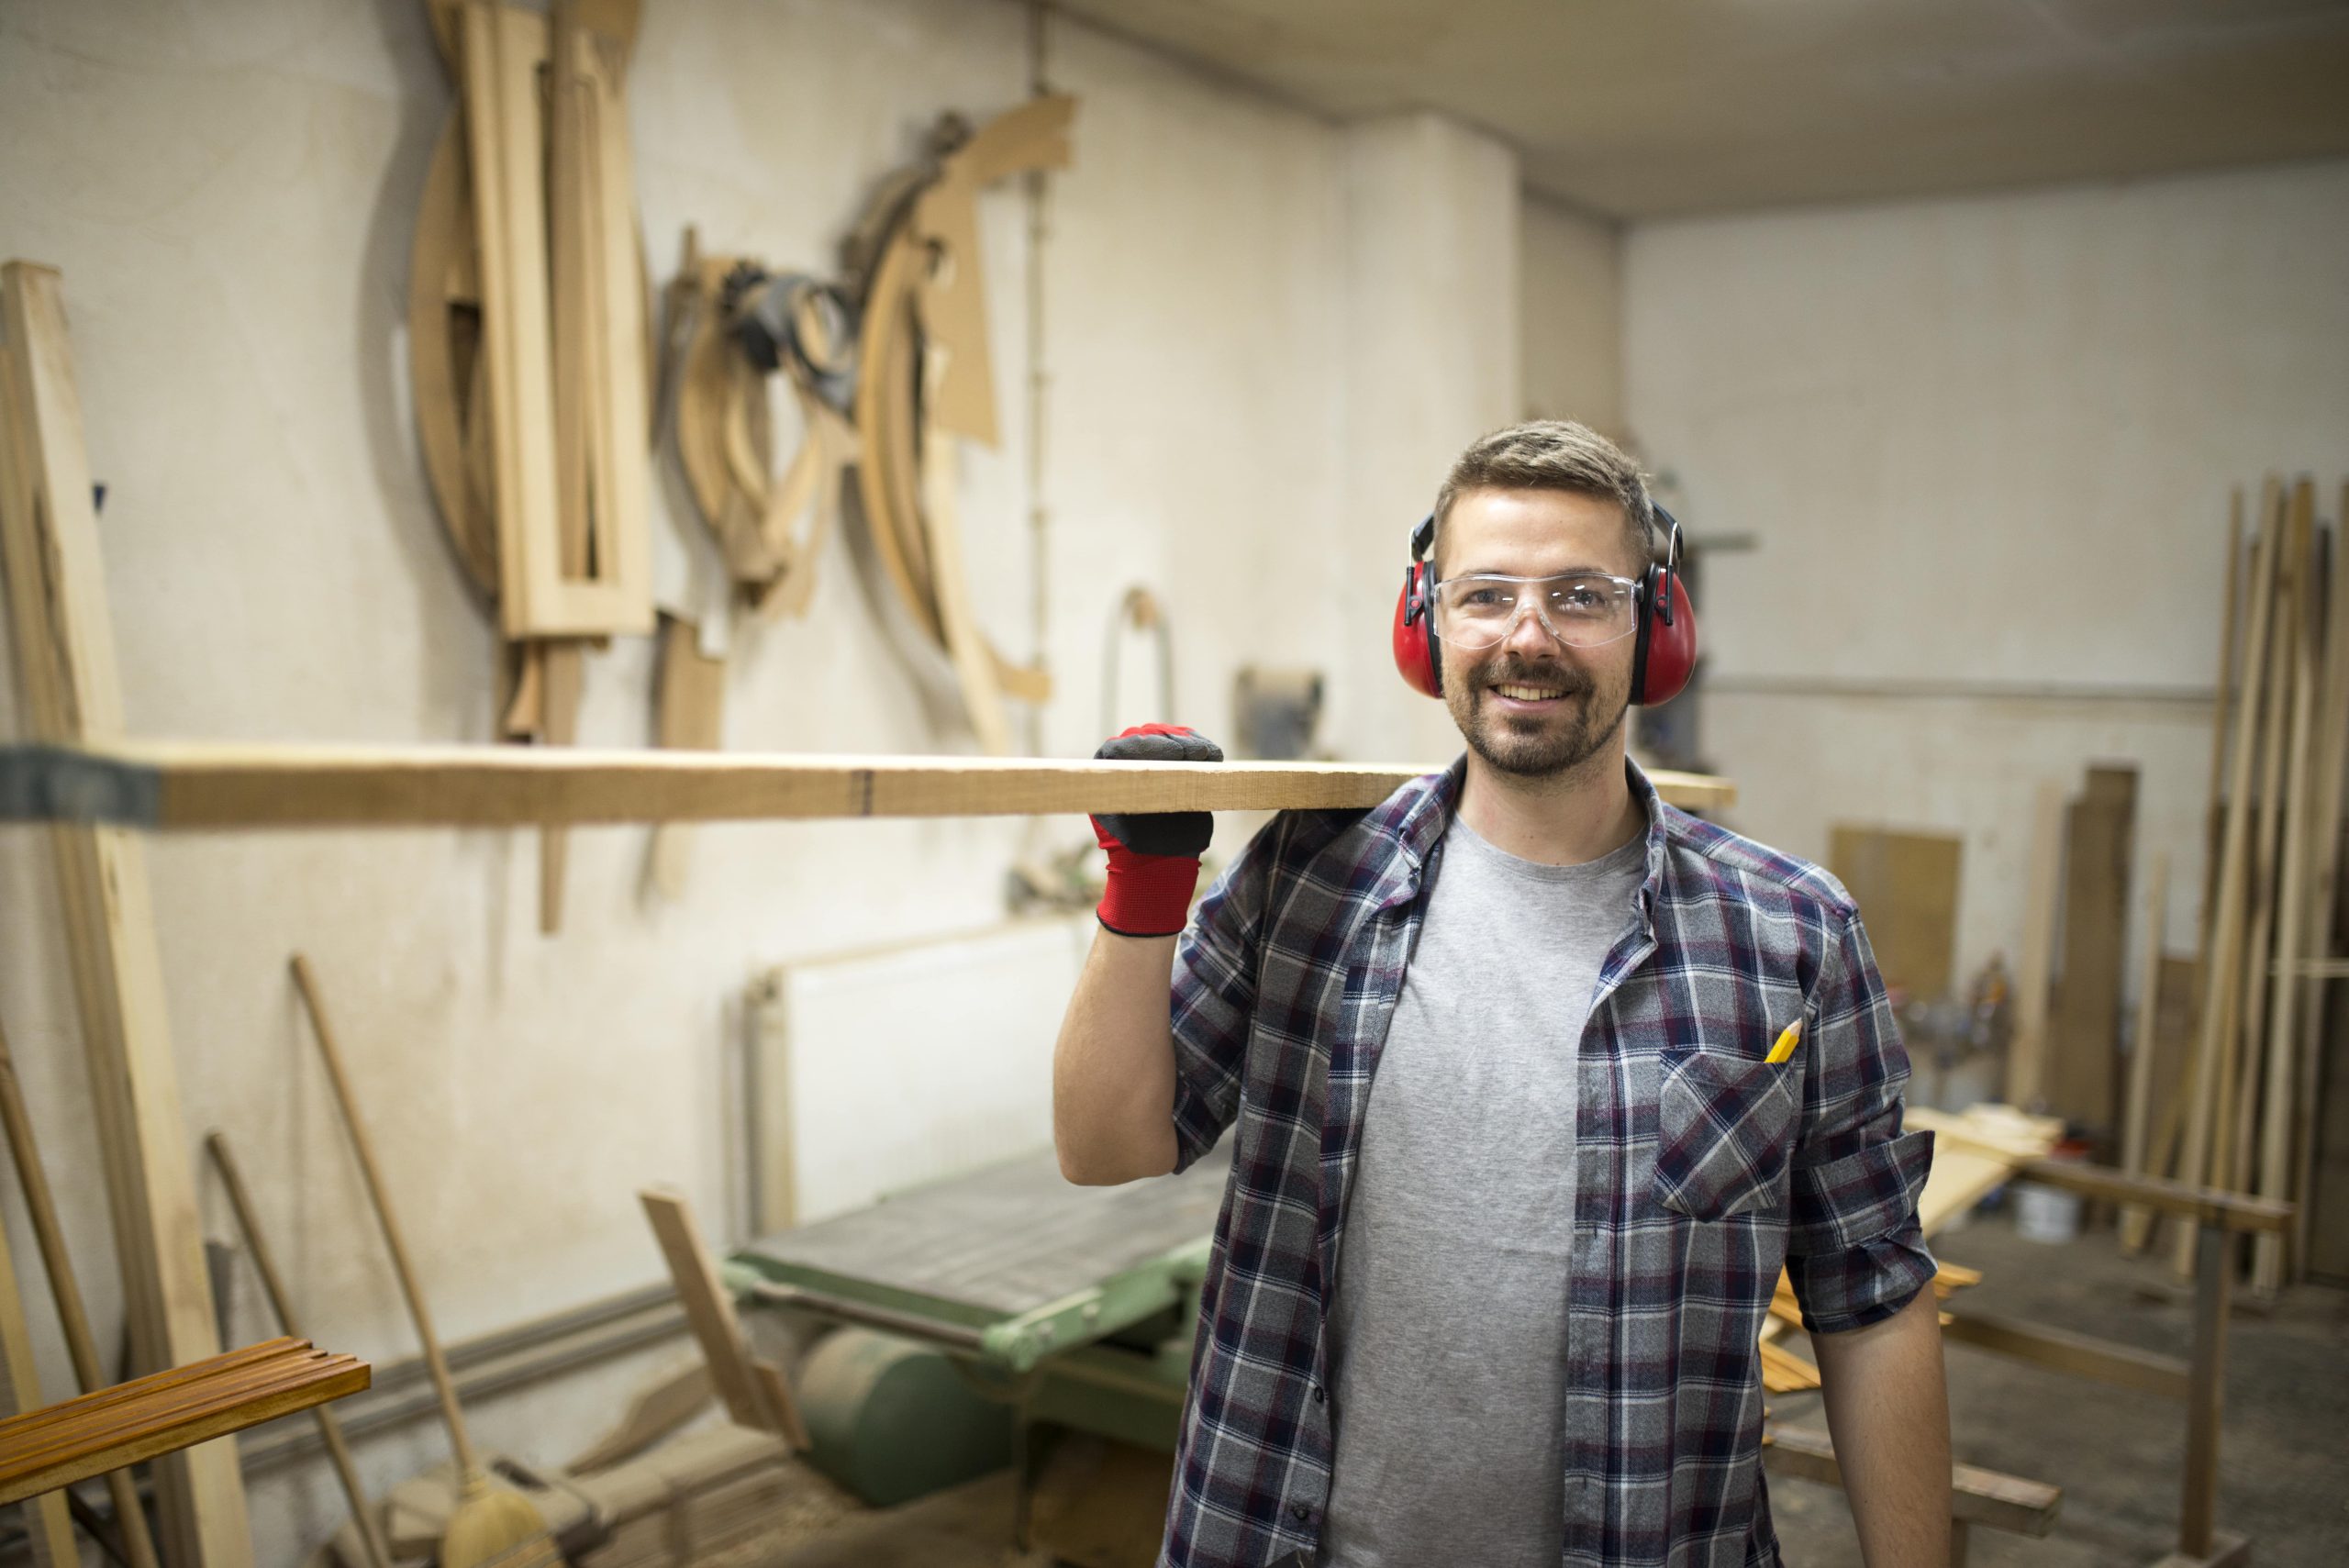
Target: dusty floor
(2116,1453)
(2284,1453)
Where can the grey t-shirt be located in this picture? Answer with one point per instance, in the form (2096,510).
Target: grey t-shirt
(1448,1328)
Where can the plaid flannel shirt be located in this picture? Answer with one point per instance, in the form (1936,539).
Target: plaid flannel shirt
(1700,1169)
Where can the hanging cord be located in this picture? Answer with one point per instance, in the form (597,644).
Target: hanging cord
(1038,192)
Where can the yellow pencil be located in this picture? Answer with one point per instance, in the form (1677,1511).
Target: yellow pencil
(1789,1038)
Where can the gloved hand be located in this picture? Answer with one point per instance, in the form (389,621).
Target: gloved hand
(1153,855)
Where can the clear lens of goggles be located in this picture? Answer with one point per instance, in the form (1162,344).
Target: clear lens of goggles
(1581,611)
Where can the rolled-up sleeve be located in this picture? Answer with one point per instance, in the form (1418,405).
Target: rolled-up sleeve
(1214,995)
(1854,1252)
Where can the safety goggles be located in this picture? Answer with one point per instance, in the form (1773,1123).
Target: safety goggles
(1581,610)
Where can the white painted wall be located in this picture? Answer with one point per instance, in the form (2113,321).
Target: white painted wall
(1570,289)
(1265,334)
(1985,440)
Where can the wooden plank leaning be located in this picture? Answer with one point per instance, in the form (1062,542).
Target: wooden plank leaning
(65,673)
(2223,962)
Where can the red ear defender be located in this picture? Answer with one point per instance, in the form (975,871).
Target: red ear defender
(1666,655)
(1416,656)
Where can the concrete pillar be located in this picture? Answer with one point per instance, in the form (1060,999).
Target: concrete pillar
(1431,361)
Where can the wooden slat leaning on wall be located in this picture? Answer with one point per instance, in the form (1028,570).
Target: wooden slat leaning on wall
(70,694)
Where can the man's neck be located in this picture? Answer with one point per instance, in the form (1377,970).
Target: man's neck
(1576,817)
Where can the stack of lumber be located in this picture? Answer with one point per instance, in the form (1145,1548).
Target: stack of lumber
(2240,1117)
(62,1443)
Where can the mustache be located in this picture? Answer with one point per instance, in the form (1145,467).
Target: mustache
(1511,672)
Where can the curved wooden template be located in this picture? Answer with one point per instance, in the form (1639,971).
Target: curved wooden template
(883,320)
(813,481)
(441,250)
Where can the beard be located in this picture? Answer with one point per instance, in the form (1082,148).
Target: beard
(1537,745)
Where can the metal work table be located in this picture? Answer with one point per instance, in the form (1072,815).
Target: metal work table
(1008,1265)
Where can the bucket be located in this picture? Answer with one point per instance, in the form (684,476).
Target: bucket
(2046,1214)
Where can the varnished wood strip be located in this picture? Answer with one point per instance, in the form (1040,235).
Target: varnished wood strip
(63,1443)
(182,784)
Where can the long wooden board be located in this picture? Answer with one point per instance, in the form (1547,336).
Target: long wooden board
(65,672)
(178,785)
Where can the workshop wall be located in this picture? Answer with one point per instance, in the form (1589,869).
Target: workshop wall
(231,193)
(1571,307)
(1984,440)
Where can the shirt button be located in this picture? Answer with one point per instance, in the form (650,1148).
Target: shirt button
(1300,1512)
(1320,1393)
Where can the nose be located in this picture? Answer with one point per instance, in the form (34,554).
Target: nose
(1528,636)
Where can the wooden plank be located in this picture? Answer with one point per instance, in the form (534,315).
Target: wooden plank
(241,1202)
(2268,1165)
(505,49)
(751,1399)
(563,663)
(2135,1114)
(690,715)
(2060,1350)
(2221,959)
(659,1408)
(2026,1051)
(2324,851)
(2207,1207)
(1906,885)
(70,694)
(624,429)
(47,1526)
(65,1289)
(1977,1496)
(2078,1073)
(2207,1392)
(150,1415)
(181,785)
(438,381)
(2234,1118)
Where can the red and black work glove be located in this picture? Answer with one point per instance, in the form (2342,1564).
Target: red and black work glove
(1153,855)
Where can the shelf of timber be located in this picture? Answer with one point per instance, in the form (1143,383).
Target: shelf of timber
(164,784)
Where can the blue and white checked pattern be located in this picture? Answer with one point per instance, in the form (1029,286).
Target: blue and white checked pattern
(1700,1170)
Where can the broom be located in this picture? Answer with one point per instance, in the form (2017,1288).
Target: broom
(491,1527)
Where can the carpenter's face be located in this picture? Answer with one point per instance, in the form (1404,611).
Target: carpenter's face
(1529,704)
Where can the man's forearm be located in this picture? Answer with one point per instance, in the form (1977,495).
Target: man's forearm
(1888,1410)
(1113,1069)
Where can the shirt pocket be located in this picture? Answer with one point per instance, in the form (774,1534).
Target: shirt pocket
(1724,1132)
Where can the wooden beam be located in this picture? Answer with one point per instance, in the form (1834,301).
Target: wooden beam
(175,784)
(71,696)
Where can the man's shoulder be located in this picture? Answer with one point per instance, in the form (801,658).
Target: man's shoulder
(1710,862)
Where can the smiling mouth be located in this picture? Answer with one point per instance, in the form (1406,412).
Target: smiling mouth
(1527,693)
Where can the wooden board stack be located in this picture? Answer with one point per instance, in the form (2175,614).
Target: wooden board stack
(2240,1117)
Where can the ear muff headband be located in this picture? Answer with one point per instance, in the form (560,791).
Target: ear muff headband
(1662,661)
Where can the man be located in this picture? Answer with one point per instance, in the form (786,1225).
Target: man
(1514,1173)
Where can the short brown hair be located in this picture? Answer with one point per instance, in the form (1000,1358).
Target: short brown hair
(1553,454)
